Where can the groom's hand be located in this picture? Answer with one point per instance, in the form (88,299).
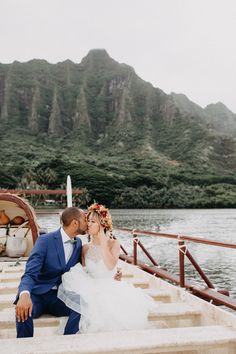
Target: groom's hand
(24,307)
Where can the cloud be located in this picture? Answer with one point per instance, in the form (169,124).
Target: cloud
(183,46)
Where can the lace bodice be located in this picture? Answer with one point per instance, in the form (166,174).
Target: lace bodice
(94,253)
(94,263)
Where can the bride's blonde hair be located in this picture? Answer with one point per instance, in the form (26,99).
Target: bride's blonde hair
(103,215)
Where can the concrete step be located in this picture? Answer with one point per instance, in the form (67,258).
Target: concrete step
(38,332)
(7,300)
(138,283)
(178,340)
(11,287)
(177,309)
(158,295)
(174,315)
(7,320)
(127,275)
(10,277)
(13,275)
(8,288)
(169,315)
(47,325)
(12,267)
(9,270)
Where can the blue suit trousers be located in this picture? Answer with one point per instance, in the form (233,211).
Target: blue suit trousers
(48,303)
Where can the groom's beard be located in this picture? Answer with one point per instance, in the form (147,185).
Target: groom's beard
(81,232)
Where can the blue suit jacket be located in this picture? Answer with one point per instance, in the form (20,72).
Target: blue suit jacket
(46,263)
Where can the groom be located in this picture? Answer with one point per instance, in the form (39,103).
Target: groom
(53,254)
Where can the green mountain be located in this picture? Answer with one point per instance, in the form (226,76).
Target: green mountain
(223,120)
(128,143)
(218,116)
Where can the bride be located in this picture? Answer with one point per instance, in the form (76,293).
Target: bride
(90,289)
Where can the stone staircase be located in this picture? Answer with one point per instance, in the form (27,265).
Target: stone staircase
(179,323)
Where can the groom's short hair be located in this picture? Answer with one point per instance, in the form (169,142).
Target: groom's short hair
(71,213)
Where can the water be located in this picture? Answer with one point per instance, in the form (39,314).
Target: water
(218,263)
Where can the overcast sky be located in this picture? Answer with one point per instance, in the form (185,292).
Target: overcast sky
(182,46)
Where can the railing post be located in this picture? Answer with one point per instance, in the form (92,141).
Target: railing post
(122,248)
(135,246)
(199,270)
(147,253)
(182,249)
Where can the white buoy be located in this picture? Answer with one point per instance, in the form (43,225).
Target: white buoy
(69,192)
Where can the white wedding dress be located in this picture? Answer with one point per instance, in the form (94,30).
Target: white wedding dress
(105,304)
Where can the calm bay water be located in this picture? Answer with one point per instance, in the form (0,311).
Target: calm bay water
(216,224)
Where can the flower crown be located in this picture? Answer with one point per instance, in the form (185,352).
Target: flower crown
(104,215)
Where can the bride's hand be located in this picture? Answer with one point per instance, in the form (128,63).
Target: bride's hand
(102,236)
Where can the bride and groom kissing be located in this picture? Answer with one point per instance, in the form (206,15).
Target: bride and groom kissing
(64,278)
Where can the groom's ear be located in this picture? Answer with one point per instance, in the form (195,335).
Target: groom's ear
(75,223)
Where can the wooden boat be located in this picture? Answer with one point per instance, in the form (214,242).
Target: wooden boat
(18,228)
(180,322)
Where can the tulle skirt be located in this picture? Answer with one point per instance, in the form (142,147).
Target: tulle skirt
(104,303)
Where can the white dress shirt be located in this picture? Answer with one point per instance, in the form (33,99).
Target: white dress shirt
(68,247)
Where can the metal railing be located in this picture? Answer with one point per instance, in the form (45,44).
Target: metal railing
(209,293)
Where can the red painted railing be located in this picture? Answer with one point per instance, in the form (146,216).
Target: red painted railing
(209,293)
(39,191)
